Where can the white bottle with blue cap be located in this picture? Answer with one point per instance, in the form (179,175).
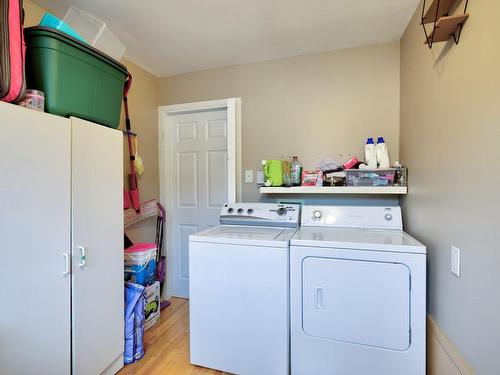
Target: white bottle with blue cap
(370,154)
(382,154)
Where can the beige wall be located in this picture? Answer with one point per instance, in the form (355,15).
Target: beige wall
(32,13)
(450,136)
(313,106)
(143,106)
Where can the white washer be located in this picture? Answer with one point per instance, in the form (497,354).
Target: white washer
(238,287)
(357,294)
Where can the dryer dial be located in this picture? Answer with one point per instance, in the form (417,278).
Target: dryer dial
(317,215)
(281,211)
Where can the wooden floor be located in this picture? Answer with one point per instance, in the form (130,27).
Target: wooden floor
(167,346)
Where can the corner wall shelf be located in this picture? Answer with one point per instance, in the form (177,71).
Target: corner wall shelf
(383,190)
(444,26)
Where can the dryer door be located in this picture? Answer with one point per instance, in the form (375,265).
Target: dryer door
(359,302)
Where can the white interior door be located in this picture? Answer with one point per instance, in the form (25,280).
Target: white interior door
(97,209)
(35,241)
(198,182)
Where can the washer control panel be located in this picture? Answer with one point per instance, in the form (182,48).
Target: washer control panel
(261,214)
(352,217)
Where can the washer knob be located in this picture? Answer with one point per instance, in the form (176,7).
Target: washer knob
(388,217)
(240,210)
(317,214)
(281,211)
(230,210)
(250,211)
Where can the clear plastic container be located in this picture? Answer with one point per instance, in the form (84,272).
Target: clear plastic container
(370,177)
(95,32)
(34,99)
(296,171)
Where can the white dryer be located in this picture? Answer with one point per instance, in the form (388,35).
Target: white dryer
(238,288)
(357,294)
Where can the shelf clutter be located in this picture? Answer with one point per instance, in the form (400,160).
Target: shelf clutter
(444,25)
(372,176)
(382,190)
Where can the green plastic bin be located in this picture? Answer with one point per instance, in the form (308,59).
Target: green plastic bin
(77,79)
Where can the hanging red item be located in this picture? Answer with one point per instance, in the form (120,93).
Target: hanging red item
(132,177)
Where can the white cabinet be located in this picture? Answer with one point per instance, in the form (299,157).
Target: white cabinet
(61,241)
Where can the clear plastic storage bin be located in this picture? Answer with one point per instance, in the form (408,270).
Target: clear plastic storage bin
(95,32)
(370,177)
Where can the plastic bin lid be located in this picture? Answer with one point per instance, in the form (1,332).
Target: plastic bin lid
(141,247)
(75,43)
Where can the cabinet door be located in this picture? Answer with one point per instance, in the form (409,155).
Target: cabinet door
(35,241)
(97,244)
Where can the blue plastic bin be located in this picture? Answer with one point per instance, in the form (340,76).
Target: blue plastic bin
(49,20)
(140,264)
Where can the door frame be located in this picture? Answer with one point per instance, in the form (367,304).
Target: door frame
(165,116)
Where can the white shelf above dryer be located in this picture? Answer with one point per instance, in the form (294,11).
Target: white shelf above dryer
(383,190)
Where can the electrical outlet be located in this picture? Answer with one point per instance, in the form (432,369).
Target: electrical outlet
(455,261)
(248,176)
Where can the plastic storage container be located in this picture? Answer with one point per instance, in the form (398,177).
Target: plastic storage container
(49,20)
(77,79)
(34,99)
(367,177)
(140,264)
(95,32)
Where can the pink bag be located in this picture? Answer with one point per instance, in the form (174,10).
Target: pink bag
(12,51)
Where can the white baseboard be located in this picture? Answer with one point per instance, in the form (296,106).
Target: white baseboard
(443,358)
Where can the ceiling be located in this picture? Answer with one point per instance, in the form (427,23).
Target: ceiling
(168,37)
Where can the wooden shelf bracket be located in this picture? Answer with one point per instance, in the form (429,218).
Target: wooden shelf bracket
(444,26)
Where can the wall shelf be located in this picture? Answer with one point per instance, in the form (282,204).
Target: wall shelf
(444,25)
(383,190)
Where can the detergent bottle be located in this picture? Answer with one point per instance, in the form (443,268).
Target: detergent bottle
(273,172)
(382,154)
(370,154)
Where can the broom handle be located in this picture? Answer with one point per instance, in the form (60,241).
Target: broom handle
(126,88)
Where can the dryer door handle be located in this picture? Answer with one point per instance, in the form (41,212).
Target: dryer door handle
(320,305)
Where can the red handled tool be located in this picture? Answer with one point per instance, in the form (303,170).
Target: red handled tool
(132,177)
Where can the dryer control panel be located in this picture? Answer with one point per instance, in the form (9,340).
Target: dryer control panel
(261,214)
(369,217)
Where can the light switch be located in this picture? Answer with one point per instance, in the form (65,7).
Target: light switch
(455,261)
(248,176)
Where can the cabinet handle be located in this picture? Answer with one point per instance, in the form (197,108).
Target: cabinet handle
(83,259)
(66,264)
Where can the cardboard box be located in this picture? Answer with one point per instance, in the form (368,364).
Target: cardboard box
(152,307)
